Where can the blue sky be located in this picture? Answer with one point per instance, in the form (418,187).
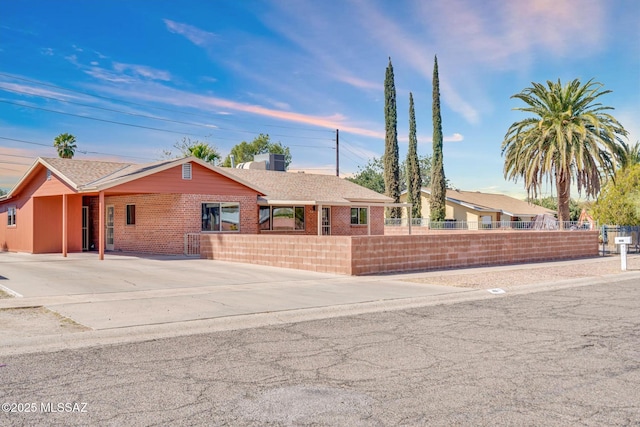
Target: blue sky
(133,77)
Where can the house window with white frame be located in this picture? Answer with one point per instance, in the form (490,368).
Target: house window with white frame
(359,216)
(221,216)
(11,216)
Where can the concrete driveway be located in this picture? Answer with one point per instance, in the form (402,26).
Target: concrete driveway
(131,290)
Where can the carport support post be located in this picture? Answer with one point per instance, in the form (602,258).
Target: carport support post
(64,225)
(101,225)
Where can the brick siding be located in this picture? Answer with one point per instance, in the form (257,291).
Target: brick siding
(358,255)
(163,219)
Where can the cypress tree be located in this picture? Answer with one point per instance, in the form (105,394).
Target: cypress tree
(438,183)
(391,165)
(414,177)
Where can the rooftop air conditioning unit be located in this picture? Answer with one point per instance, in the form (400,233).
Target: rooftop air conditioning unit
(275,162)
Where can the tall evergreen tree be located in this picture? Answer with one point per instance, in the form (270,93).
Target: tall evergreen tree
(391,165)
(438,182)
(414,177)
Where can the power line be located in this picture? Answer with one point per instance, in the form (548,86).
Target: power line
(26,142)
(13,169)
(78,151)
(349,157)
(16,155)
(14,163)
(210,127)
(103,108)
(151,106)
(95,118)
(353,152)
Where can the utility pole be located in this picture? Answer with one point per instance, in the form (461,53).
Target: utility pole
(337,152)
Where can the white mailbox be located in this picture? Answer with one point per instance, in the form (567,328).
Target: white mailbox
(623,242)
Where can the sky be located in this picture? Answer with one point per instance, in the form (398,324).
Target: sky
(131,78)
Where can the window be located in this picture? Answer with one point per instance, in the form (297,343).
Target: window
(224,216)
(186,171)
(265,217)
(281,218)
(358,216)
(11,215)
(48,175)
(131,214)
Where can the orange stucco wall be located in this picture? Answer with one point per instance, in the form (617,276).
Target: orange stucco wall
(47,224)
(38,226)
(19,237)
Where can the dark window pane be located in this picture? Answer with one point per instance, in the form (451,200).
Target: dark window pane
(131,214)
(210,217)
(363,215)
(265,217)
(300,218)
(230,214)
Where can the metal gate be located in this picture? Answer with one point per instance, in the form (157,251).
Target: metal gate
(608,233)
(192,244)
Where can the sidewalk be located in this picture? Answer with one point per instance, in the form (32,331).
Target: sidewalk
(140,306)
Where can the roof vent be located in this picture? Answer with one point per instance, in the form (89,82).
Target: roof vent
(186,171)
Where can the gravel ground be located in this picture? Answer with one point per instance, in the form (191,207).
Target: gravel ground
(35,321)
(512,276)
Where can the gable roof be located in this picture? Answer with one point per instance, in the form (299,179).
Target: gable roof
(79,173)
(86,176)
(491,202)
(304,188)
(91,175)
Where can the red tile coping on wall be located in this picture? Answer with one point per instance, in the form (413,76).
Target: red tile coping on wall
(359,255)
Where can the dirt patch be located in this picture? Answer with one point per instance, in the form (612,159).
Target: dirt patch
(35,321)
(511,277)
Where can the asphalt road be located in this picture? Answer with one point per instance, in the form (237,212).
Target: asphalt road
(563,357)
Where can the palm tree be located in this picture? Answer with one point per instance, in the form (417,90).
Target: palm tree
(570,138)
(630,155)
(203,151)
(65,143)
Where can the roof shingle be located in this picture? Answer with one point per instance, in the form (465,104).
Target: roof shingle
(497,202)
(308,187)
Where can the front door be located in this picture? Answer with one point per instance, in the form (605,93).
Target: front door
(109,221)
(326,221)
(85,228)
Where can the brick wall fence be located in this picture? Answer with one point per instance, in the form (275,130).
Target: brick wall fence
(359,255)
(329,254)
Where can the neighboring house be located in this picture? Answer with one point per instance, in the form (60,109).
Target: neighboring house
(65,205)
(476,207)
